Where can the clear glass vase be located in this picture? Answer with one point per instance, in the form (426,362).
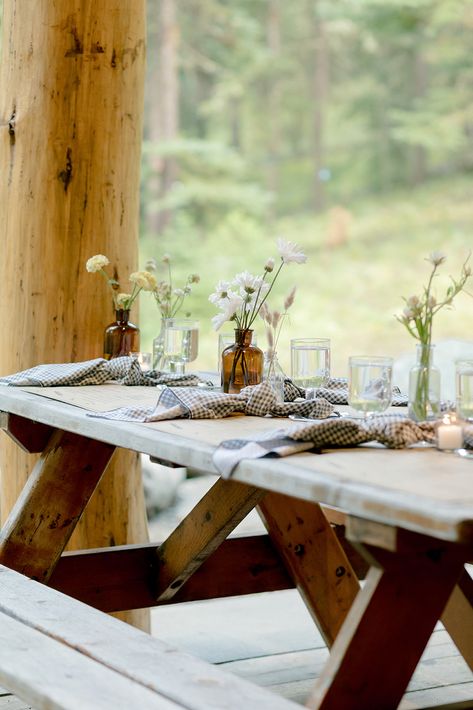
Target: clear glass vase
(121,337)
(242,363)
(274,375)
(424,386)
(159,362)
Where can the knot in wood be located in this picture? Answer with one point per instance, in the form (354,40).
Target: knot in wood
(299,550)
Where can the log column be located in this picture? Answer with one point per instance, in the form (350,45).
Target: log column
(71,104)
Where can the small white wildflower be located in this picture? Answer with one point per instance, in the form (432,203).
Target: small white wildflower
(408,313)
(436,258)
(178,292)
(413,301)
(151,265)
(269,266)
(231,307)
(290,252)
(165,258)
(221,293)
(96,263)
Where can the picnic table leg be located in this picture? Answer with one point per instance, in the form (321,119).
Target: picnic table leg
(51,502)
(389,624)
(458,617)
(314,557)
(200,533)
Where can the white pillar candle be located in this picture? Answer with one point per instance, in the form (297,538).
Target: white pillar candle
(449,433)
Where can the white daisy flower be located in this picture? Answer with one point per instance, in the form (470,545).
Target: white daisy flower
(96,263)
(290,252)
(436,258)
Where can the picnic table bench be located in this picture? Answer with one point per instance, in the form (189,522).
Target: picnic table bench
(409,512)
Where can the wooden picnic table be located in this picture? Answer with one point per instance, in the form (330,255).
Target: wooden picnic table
(409,512)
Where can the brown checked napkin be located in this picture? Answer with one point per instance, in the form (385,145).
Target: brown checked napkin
(124,370)
(197,403)
(395,431)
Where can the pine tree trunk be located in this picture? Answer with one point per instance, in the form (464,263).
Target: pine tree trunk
(163,97)
(71,82)
(320,84)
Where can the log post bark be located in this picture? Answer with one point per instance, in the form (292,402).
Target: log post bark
(71,98)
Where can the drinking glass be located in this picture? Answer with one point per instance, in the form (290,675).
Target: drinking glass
(464,388)
(310,361)
(370,383)
(181,342)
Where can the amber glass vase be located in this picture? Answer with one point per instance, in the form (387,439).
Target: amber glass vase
(242,363)
(121,337)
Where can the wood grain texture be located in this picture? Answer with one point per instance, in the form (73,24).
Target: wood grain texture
(124,577)
(49,506)
(71,78)
(423,490)
(201,532)
(458,617)
(29,435)
(176,676)
(408,590)
(314,557)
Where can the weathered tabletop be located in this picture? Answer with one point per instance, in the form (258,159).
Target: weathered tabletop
(409,513)
(420,489)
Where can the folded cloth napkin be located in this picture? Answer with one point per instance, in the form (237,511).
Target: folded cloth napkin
(124,370)
(257,400)
(395,431)
(334,391)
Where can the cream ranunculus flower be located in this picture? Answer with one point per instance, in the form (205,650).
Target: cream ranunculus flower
(122,300)
(144,280)
(96,263)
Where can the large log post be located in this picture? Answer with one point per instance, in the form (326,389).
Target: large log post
(71,97)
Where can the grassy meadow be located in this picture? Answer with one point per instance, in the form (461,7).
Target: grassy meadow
(362,258)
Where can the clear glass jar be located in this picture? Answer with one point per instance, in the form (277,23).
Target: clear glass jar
(158,349)
(242,363)
(424,386)
(274,375)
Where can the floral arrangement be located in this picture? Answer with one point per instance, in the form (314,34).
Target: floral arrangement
(241,300)
(168,299)
(419,312)
(274,321)
(141,280)
(417,317)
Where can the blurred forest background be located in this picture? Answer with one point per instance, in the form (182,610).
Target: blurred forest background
(344,126)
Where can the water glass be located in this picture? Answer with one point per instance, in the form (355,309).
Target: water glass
(310,361)
(370,383)
(181,341)
(464,388)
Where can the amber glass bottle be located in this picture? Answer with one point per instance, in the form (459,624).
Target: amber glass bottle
(121,337)
(242,363)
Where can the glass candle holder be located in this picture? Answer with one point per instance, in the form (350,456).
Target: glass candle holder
(449,433)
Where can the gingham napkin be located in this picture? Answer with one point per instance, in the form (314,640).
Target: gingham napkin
(335,391)
(124,370)
(395,431)
(196,403)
